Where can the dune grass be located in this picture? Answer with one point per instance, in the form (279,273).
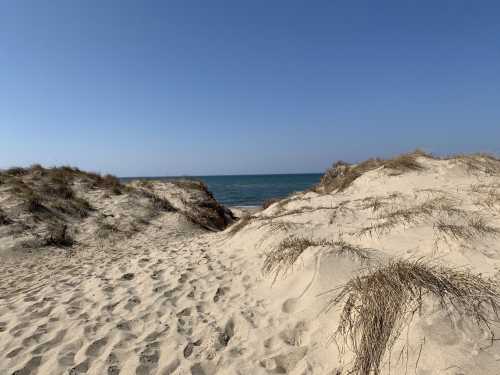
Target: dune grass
(280,261)
(376,305)
(480,162)
(240,224)
(269,202)
(58,236)
(4,219)
(474,227)
(279,225)
(412,215)
(341,175)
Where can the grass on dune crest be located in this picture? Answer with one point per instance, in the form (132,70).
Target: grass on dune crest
(54,200)
(378,304)
(482,162)
(341,175)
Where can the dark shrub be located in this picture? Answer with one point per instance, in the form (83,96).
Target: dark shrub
(112,183)
(34,203)
(58,236)
(16,171)
(62,191)
(162,204)
(4,219)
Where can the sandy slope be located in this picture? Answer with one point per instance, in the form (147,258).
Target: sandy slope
(173,299)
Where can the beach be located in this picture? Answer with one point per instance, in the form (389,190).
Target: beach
(267,291)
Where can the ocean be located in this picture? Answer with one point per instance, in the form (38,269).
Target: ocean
(251,190)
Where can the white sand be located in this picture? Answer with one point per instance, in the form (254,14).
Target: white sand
(197,302)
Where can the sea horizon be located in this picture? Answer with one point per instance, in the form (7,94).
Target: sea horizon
(214,175)
(248,190)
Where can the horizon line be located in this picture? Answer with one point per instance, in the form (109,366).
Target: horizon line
(223,175)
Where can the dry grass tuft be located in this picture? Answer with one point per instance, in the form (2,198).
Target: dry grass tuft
(191,184)
(280,260)
(58,236)
(34,204)
(373,203)
(341,175)
(158,203)
(279,225)
(493,198)
(480,162)
(475,227)
(240,224)
(412,215)
(16,171)
(112,184)
(105,230)
(404,163)
(490,195)
(379,303)
(269,202)
(4,219)
(162,204)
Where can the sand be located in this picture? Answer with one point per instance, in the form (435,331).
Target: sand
(174,299)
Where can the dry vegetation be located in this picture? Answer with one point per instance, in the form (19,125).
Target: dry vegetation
(489,195)
(58,236)
(269,202)
(198,205)
(279,225)
(378,304)
(280,260)
(474,227)
(481,162)
(4,219)
(341,175)
(240,224)
(412,215)
(57,199)
(190,183)
(373,203)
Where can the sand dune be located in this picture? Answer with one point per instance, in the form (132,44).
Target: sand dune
(174,298)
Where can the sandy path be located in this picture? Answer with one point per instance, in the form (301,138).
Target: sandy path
(162,302)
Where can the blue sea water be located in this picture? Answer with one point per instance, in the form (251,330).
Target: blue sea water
(252,190)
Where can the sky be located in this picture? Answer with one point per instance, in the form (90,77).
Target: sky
(150,88)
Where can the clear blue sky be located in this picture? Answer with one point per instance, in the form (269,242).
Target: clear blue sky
(224,87)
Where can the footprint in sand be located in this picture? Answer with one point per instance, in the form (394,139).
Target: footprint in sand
(113,370)
(81,368)
(132,303)
(30,367)
(128,276)
(40,349)
(96,347)
(148,359)
(171,367)
(66,359)
(183,278)
(13,353)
